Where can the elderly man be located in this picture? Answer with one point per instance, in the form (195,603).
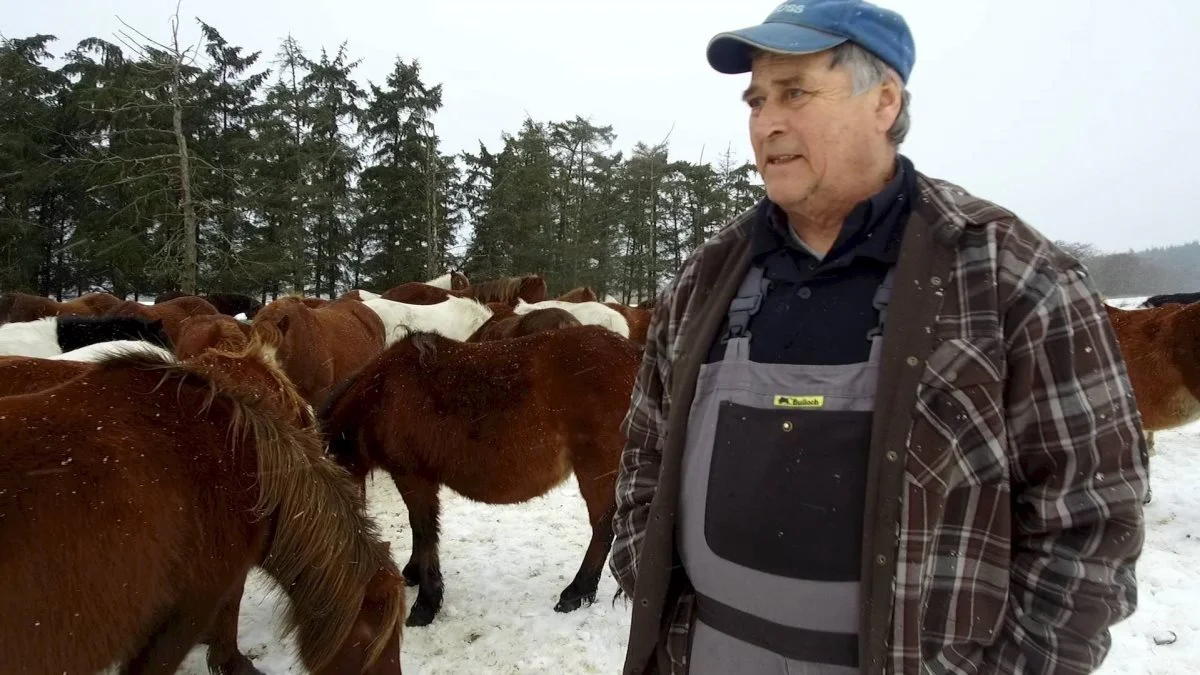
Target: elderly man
(882,424)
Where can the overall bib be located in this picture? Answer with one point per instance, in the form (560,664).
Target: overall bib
(772,504)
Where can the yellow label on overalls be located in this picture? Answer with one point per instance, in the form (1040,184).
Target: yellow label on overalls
(784,401)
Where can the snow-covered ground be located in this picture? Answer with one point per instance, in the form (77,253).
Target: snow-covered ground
(504,567)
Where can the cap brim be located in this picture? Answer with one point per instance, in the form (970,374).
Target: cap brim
(730,52)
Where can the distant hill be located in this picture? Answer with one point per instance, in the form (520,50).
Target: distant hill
(1167,269)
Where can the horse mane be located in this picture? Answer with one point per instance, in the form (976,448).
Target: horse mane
(324,543)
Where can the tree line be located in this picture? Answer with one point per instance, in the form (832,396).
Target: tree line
(1162,269)
(139,165)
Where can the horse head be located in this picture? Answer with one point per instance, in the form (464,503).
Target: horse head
(373,646)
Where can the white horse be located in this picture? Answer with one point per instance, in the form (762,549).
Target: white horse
(588,313)
(454,318)
(100,350)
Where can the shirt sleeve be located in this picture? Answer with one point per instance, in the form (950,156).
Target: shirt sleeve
(644,428)
(1080,475)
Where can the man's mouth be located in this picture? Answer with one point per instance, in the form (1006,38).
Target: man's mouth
(781,159)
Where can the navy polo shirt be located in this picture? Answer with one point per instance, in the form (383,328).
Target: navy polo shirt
(819,311)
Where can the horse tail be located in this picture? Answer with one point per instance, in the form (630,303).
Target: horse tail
(426,346)
(341,427)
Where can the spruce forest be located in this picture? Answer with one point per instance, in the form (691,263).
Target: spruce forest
(139,164)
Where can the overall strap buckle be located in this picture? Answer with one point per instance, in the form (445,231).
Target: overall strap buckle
(747,303)
(883,297)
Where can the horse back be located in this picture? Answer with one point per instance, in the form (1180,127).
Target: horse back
(23,374)
(419,293)
(23,307)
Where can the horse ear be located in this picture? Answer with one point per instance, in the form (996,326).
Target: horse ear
(282,324)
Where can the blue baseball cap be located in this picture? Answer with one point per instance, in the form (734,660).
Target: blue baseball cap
(809,26)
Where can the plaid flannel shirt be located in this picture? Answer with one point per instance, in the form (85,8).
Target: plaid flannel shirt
(1021,514)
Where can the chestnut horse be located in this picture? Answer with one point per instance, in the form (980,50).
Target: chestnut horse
(229,304)
(23,375)
(581,294)
(211,331)
(498,422)
(638,319)
(509,290)
(17,307)
(322,346)
(167,512)
(172,313)
(505,323)
(1161,350)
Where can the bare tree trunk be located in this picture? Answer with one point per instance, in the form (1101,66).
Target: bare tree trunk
(431,252)
(187,276)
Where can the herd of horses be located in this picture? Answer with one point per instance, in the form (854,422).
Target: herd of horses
(151,455)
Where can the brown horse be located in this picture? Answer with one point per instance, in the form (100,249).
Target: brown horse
(17,307)
(1161,349)
(508,290)
(172,313)
(230,304)
(581,294)
(23,375)
(506,324)
(211,331)
(170,512)
(638,319)
(498,422)
(322,346)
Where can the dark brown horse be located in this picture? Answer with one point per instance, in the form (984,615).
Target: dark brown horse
(506,324)
(498,422)
(322,346)
(17,307)
(508,290)
(1171,299)
(581,294)
(168,499)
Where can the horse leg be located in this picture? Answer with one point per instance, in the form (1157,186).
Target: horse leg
(598,492)
(224,657)
(180,630)
(424,568)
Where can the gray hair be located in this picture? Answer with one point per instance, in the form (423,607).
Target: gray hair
(866,71)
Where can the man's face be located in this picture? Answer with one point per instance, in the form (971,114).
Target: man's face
(811,135)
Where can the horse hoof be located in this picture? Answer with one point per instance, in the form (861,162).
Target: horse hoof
(410,575)
(239,665)
(570,603)
(419,616)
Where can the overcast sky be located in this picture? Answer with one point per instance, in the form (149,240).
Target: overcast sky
(1078,115)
